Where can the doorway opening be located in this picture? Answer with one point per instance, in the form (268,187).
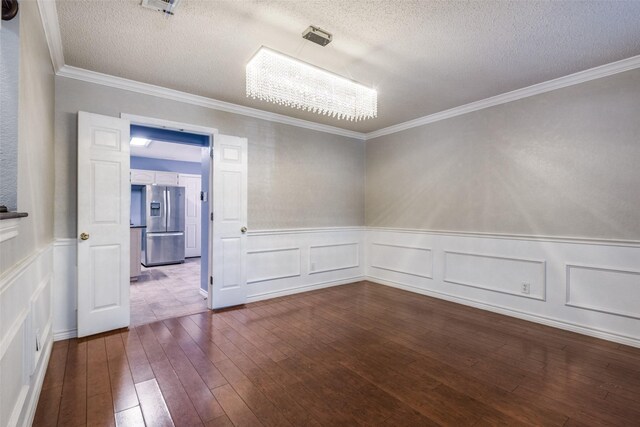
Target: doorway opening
(170,175)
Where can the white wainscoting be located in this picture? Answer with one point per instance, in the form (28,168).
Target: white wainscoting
(604,289)
(283,262)
(589,287)
(479,271)
(25,335)
(65,290)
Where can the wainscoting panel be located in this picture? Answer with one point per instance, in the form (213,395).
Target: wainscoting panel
(283,262)
(323,258)
(568,287)
(25,335)
(65,289)
(604,289)
(272,264)
(402,259)
(479,271)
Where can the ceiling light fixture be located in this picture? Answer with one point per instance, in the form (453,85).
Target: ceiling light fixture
(281,79)
(140,142)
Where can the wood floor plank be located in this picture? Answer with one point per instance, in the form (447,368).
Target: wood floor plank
(153,406)
(358,354)
(100,410)
(136,357)
(205,404)
(73,402)
(123,390)
(235,408)
(131,417)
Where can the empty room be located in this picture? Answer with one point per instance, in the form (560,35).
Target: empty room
(319,213)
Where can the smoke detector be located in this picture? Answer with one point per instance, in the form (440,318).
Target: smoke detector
(164,6)
(317,35)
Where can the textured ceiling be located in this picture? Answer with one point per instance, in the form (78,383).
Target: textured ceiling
(422,56)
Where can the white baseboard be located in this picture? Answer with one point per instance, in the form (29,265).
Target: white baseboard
(305,288)
(596,333)
(204,293)
(65,335)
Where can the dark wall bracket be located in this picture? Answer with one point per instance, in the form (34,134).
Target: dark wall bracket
(9,9)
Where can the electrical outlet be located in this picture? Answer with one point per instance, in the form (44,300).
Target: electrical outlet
(526,288)
(313,266)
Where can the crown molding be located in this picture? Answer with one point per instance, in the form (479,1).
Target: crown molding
(49,16)
(561,82)
(175,95)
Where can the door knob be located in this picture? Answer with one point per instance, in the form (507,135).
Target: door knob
(243,229)
(84,236)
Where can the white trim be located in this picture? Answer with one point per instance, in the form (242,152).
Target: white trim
(544,320)
(274,231)
(65,241)
(51,26)
(169,124)
(524,237)
(32,404)
(188,98)
(9,228)
(10,275)
(65,335)
(304,288)
(49,16)
(559,83)
(568,303)
(204,293)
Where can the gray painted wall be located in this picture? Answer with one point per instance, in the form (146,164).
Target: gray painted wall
(297,177)
(9,80)
(35,169)
(563,163)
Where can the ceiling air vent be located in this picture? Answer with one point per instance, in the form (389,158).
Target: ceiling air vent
(317,35)
(165,6)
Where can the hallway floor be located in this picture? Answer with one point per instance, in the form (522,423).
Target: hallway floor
(358,354)
(167,291)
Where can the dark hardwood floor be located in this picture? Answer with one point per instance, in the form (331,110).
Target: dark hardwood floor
(359,354)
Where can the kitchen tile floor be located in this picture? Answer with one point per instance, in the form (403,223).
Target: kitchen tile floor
(167,291)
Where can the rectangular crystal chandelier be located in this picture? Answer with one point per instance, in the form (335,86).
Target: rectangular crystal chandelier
(275,77)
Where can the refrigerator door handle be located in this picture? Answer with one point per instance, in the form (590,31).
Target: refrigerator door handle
(164,234)
(168,204)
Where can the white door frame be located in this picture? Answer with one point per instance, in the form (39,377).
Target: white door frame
(186,127)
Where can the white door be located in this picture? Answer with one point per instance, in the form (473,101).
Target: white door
(192,224)
(229,243)
(104,199)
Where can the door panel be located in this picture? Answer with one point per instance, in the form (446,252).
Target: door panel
(103,221)
(229,254)
(193,237)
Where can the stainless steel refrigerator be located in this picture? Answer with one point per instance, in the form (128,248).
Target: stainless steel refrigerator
(163,238)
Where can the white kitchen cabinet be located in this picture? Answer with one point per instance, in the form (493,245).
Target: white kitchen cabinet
(166,178)
(142,177)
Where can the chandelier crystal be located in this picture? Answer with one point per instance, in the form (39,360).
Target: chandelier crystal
(278,78)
